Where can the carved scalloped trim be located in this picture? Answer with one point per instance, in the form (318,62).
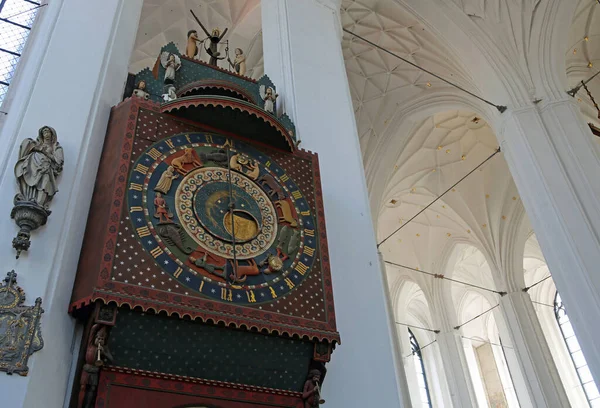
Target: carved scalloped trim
(228,86)
(218,318)
(184,378)
(195,101)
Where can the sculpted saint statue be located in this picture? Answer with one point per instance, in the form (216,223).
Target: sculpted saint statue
(40,162)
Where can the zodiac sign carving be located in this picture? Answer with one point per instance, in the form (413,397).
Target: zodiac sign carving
(189,156)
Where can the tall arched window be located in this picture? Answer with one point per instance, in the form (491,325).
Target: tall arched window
(583,371)
(420,368)
(16,19)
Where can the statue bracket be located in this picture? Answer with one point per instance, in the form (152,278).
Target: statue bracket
(28,216)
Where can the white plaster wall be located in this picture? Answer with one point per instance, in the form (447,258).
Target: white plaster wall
(303,57)
(74,71)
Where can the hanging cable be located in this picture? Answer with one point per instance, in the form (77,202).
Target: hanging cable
(574,91)
(434,201)
(543,304)
(592,98)
(476,317)
(421,348)
(487,342)
(417,327)
(537,283)
(439,276)
(500,108)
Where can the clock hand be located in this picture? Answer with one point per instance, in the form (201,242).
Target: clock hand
(231,208)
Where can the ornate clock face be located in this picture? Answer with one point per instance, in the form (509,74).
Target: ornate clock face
(221,218)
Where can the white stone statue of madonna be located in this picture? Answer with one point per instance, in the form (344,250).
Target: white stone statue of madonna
(40,162)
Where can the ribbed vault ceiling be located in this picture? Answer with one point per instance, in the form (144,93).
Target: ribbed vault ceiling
(439,149)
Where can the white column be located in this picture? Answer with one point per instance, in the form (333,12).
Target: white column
(549,150)
(73,72)
(304,59)
(456,369)
(537,381)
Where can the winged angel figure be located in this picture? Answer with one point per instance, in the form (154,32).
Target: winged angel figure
(171,63)
(269,96)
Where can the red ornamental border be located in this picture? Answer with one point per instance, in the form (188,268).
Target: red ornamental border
(194,387)
(194,101)
(207,310)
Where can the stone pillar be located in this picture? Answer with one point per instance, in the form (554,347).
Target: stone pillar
(303,57)
(538,378)
(550,153)
(456,369)
(73,71)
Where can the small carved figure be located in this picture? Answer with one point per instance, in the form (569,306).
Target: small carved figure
(140,90)
(166,180)
(174,235)
(272,264)
(219,157)
(40,162)
(171,63)
(209,267)
(269,96)
(243,164)
(191,50)
(170,94)
(274,189)
(215,38)
(162,210)
(288,242)
(311,394)
(96,355)
(239,63)
(189,156)
(241,272)
(286,213)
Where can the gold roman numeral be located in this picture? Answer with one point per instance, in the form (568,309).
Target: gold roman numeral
(188,138)
(309,251)
(229,143)
(297,194)
(170,143)
(155,154)
(226,295)
(268,163)
(284,178)
(177,273)
(143,232)
(209,139)
(309,233)
(251,297)
(141,168)
(301,268)
(201,286)
(289,283)
(136,209)
(273,293)
(136,187)
(305,213)
(156,252)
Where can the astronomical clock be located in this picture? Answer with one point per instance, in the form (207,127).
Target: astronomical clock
(204,275)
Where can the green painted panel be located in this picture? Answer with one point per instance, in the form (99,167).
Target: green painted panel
(181,347)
